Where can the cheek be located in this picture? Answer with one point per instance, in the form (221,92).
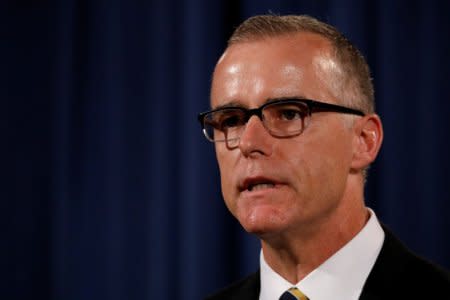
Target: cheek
(328,169)
(317,167)
(224,159)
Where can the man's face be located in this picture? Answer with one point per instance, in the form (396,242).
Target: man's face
(274,185)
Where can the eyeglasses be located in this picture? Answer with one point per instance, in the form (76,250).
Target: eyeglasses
(281,118)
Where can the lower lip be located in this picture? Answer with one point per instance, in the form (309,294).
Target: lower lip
(259,192)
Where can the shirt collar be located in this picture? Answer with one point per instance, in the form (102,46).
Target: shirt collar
(342,276)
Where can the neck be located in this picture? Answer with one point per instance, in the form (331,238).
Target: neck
(294,255)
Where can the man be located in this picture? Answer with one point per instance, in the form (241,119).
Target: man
(295,130)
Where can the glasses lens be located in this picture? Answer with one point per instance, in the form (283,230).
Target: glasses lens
(225,124)
(285,118)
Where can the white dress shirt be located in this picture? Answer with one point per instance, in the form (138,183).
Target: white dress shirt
(342,276)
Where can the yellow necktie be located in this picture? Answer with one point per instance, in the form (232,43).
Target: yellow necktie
(293,294)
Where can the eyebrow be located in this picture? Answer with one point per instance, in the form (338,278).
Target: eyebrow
(237,103)
(231,104)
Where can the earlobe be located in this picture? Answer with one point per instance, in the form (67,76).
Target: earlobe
(367,142)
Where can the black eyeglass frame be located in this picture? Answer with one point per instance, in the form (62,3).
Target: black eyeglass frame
(313,106)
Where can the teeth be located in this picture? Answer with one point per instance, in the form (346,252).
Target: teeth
(260,186)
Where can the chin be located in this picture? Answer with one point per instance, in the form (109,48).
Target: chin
(262,221)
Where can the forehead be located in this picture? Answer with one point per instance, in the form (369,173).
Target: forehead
(295,48)
(288,65)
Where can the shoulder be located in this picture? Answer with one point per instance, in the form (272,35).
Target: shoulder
(398,271)
(247,288)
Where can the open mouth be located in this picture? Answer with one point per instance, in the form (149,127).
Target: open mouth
(256,184)
(260,186)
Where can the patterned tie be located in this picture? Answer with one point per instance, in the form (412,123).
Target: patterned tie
(293,294)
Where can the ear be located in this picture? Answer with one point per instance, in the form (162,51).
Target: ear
(367,141)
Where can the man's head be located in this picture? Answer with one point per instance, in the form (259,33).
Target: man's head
(280,183)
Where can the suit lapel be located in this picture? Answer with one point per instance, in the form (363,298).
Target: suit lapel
(388,271)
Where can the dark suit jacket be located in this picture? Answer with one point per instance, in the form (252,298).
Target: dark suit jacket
(397,274)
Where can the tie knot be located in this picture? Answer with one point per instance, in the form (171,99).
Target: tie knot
(293,294)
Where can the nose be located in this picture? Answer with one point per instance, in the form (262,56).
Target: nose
(255,138)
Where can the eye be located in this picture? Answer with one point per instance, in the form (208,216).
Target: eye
(226,119)
(287,112)
(229,121)
(290,114)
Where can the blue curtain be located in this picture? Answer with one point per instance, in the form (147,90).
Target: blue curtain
(110,191)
